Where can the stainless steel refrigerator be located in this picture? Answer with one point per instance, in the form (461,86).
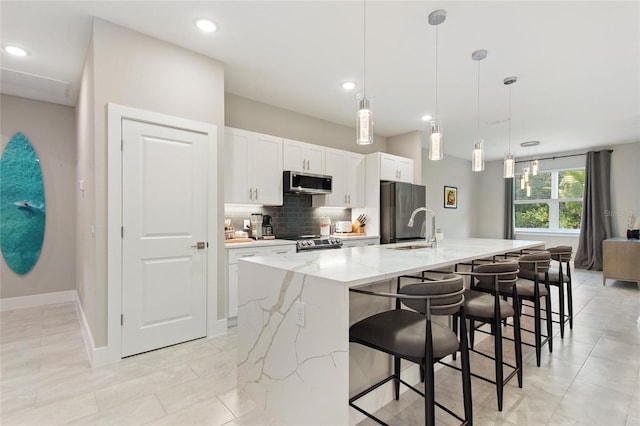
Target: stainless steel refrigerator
(397,201)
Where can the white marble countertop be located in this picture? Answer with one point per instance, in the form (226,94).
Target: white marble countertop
(364,265)
(260,243)
(353,237)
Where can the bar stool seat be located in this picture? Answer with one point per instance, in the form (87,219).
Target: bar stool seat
(480,304)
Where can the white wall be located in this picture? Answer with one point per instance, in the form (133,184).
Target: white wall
(450,171)
(488,202)
(50,129)
(135,70)
(248,114)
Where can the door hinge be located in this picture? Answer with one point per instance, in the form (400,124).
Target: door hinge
(121,319)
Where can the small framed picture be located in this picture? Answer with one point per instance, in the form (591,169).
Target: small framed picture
(450,197)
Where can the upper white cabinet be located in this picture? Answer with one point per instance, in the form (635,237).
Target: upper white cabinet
(303,157)
(253,168)
(393,167)
(348,184)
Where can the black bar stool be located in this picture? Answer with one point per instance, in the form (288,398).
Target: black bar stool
(411,335)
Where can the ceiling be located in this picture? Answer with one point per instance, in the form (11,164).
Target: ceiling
(577,62)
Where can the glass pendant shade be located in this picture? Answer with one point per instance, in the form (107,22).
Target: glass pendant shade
(535,165)
(364,123)
(509,166)
(526,174)
(522,185)
(477,156)
(435,142)
(528,190)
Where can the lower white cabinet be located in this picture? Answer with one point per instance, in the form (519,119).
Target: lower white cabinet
(233,254)
(360,242)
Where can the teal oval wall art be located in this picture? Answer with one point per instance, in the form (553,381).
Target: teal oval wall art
(22,207)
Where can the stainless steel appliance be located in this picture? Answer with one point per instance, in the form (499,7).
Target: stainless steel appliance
(267,228)
(397,201)
(256,226)
(306,183)
(314,242)
(343,226)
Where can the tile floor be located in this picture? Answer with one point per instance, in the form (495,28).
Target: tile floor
(591,378)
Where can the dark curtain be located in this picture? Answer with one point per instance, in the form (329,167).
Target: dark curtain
(596,205)
(509,230)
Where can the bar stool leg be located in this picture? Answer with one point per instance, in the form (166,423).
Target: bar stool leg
(561,301)
(570,303)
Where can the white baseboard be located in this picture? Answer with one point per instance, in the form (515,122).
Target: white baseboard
(218,328)
(97,356)
(22,302)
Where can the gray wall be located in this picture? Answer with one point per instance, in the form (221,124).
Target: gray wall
(625,197)
(129,68)
(51,130)
(450,171)
(247,114)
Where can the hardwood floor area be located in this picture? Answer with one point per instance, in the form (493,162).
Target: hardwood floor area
(591,378)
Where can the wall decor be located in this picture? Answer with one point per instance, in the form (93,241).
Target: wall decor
(450,197)
(22,205)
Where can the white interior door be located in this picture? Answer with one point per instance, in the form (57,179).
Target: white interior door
(164,199)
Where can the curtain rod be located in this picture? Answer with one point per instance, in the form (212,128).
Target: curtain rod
(559,156)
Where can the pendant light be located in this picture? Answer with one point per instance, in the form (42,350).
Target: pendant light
(535,166)
(364,118)
(509,160)
(436,18)
(477,155)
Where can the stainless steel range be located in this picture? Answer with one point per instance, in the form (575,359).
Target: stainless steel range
(314,242)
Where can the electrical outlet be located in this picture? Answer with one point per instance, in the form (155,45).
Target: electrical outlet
(247,224)
(300,313)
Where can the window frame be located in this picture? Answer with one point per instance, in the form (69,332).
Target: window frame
(553,202)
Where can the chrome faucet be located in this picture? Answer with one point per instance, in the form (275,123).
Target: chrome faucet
(432,238)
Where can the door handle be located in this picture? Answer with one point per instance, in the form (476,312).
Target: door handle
(199,245)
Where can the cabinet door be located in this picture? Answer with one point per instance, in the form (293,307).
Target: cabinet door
(405,169)
(355,179)
(266,169)
(388,167)
(315,155)
(236,183)
(294,155)
(335,167)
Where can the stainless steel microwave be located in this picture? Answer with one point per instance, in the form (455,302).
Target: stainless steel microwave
(306,183)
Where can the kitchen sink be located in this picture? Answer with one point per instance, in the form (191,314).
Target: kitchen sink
(413,246)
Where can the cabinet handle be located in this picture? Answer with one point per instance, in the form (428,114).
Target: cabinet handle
(282,252)
(250,194)
(308,166)
(304,167)
(345,198)
(349,198)
(256,194)
(248,255)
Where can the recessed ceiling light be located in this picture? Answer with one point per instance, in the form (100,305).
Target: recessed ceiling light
(206,25)
(15,51)
(426,117)
(348,85)
(529,143)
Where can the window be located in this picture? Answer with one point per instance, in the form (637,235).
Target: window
(554,203)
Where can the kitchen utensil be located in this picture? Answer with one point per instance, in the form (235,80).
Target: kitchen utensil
(256,226)
(325,226)
(343,226)
(267,228)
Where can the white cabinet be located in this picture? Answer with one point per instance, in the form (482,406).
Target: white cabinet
(303,157)
(360,242)
(348,184)
(253,168)
(233,254)
(393,167)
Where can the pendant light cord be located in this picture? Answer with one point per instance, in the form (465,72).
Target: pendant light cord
(478,124)
(509,119)
(436,117)
(364,49)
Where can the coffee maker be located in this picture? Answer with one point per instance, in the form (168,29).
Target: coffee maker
(267,228)
(256,226)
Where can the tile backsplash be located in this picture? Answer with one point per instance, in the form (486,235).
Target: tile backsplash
(295,217)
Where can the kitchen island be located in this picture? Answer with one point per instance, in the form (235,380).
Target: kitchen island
(294,356)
